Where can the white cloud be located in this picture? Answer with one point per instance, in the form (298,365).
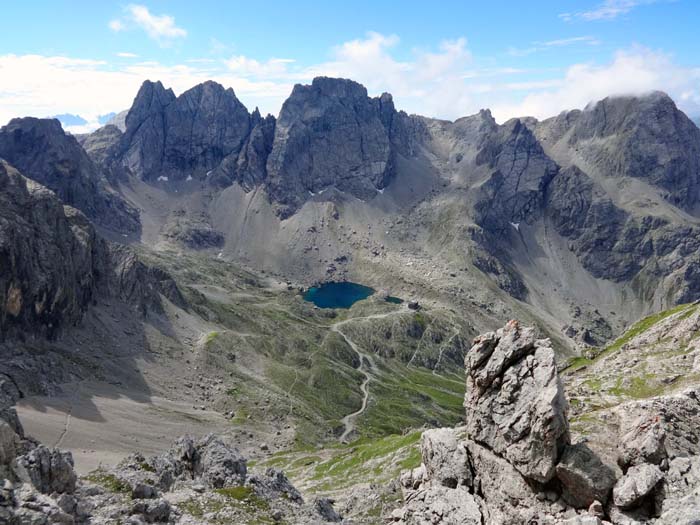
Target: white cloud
(116,25)
(91,88)
(553,44)
(631,72)
(275,67)
(607,10)
(161,28)
(127,55)
(447,82)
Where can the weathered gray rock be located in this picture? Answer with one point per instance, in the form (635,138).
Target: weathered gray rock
(273,484)
(49,254)
(445,457)
(520,173)
(47,470)
(584,476)
(100,143)
(185,136)
(515,401)
(439,504)
(154,511)
(643,137)
(329,134)
(636,484)
(645,443)
(218,464)
(324,507)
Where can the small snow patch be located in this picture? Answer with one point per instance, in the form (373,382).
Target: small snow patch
(189,178)
(162,178)
(381,191)
(515,225)
(311,193)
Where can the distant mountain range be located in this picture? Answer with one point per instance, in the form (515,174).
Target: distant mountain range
(163,254)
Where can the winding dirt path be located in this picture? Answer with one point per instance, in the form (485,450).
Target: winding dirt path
(69,415)
(349,420)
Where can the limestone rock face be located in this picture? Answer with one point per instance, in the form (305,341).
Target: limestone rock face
(178,137)
(644,137)
(329,134)
(47,470)
(515,401)
(54,263)
(521,171)
(218,464)
(249,167)
(98,145)
(49,254)
(445,456)
(44,153)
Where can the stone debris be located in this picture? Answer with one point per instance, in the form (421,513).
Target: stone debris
(177,487)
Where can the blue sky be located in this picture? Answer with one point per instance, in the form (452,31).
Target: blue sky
(445,59)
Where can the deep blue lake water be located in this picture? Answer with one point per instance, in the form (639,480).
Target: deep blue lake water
(337,295)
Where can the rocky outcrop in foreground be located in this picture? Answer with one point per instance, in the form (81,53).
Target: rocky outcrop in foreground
(196,481)
(513,461)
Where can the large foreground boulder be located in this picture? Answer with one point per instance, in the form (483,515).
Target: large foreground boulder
(515,402)
(512,462)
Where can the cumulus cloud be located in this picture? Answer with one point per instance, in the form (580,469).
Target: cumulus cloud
(161,28)
(631,72)
(446,82)
(127,55)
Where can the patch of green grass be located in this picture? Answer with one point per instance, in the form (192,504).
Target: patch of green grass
(145,466)
(645,324)
(211,336)
(244,494)
(109,482)
(577,363)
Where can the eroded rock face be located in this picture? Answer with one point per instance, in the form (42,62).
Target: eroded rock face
(177,137)
(516,189)
(50,257)
(41,487)
(515,401)
(47,470)
(44,153)
(55,265)
(644,137)
(329,133)
(584,476)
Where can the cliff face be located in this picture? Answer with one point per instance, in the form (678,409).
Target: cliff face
(329,134)
(608,193)
(54,265)
(50,257)
(43,152)
(180,137)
